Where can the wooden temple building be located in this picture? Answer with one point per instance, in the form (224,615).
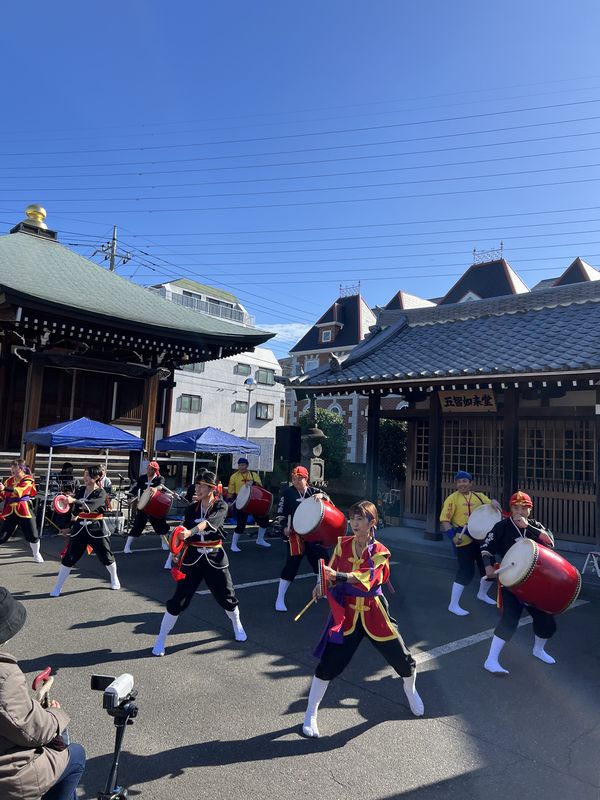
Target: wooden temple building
(499,380)
(78,340)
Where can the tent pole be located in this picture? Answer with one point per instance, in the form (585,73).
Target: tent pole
(194,467)
(46,493)
(106,462)
(217,467)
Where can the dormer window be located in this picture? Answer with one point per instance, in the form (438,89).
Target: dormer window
(325,336)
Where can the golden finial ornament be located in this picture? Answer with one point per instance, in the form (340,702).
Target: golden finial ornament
(36,216)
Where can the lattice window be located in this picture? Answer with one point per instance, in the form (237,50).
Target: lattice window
(474,445)
(421,445)
(557,450)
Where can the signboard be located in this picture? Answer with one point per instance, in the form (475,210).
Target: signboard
(468,401)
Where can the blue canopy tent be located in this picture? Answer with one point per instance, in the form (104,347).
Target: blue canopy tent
(207,440)
(82,433)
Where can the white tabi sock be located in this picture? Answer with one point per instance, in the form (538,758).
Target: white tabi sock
(114,578)
(491,663)
(166,626)
(318,688)
(128,543)
(539,651)
(169,561)
(280,602)
(35,549)
(234,543)
(164,542)
(413,697)
(63,574)
(238,630)
(261,538)
(482,594)
(454,607)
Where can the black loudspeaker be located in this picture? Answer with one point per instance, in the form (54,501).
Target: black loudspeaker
(287,443)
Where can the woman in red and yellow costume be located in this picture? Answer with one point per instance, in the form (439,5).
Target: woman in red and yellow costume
(355,576)
(17,492)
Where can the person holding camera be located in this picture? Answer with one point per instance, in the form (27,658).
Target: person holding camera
(34,759)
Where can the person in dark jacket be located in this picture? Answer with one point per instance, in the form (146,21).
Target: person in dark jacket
(34,761)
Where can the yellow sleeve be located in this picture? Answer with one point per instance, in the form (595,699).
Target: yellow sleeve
(256,479)
(231,489)
(448,509)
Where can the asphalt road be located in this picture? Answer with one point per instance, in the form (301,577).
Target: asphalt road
(221,719)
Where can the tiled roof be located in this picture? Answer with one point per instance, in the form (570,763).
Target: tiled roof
(46,270)
(404,300)
(355,316)
(552,330)
(489,279)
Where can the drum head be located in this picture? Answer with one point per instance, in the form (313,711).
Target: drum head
(243,496)
(60,504)
(145,497)
(482,520)
(518,562)
(307,516)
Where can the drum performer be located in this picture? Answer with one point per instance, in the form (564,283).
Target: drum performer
(242,477)
(358,570)
(87,529)
(202,558)
(500,539)
(454,516)
(298,548)
(154,479)
(17,493)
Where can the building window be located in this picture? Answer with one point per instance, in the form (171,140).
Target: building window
(557,450)
(197,367)
(242,369)
(335,409)
(191,403)
(325,336)
(264,411)
(282,408)
(266,376)
(310,364)
(239,407)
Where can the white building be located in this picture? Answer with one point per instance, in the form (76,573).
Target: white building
(216,393)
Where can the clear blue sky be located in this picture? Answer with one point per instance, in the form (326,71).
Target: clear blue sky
(282,149)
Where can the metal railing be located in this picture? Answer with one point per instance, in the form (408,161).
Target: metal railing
(206,307)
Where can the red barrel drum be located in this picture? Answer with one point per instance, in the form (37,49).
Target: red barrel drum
(319,521)
(540,576)
(255,500)
(155,503)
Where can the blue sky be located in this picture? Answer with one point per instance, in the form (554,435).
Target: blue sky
(281,150)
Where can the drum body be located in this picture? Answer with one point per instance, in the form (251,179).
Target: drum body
(540,577)
(255,500)
(60,504)
(155,503)
(319,521)
(481,521)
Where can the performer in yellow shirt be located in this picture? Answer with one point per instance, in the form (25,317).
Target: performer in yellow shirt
(456,511)
(240,478)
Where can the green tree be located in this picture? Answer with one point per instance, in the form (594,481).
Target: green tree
(334,447)
(392,450)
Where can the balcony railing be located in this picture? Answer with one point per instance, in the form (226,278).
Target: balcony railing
(206,307)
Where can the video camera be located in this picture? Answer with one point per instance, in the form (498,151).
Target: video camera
(118,700)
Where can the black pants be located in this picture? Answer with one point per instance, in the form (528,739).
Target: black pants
(218,581)
(337,656)
(93,536)
(139,523)
(12,522)
(313,552)
(544,624)
(242,520)
(468,556)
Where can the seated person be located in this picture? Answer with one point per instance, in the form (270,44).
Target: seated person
(34,760)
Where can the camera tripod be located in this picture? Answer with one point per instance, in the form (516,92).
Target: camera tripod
(123,714)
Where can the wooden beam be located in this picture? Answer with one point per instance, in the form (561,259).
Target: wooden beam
(149,408)
(434,474)
(373,445)
(510,444)
(33,404)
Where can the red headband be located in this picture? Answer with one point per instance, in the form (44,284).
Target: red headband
(301,472)
(154,465)
(521,499)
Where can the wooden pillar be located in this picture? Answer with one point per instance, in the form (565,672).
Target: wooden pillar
(168,409)
(510,445)
(32,406)
(149,408)
(434,472)
(373,445)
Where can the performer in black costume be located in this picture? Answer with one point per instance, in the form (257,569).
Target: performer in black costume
(88,529)
(154,479)
(298,548)
(202,558)
(498,542)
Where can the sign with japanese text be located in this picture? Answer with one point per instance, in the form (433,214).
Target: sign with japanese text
(468,401)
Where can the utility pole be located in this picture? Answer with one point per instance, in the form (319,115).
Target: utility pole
(113,249)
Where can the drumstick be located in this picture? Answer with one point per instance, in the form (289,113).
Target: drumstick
(306,607)
(505,567)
